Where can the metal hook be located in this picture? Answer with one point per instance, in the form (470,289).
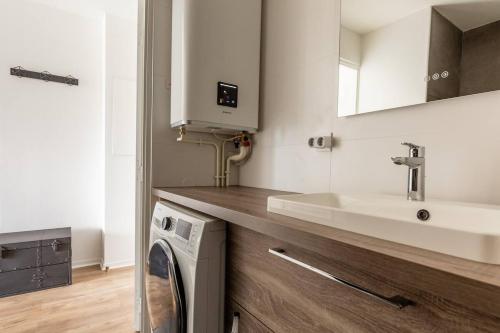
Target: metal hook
(45,76)
(17,71)
(69,80)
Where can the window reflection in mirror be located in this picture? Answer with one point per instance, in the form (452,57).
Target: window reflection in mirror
(348,89)
(398,53)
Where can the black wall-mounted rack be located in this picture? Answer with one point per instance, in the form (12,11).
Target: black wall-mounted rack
(44,76)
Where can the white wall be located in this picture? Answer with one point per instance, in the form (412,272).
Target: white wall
(121,72)
(350,46)
(394,62)
(461,135)
(52,135)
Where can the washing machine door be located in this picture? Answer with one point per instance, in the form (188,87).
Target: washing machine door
(164,290)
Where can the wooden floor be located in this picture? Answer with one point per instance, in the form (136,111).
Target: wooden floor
(97,302)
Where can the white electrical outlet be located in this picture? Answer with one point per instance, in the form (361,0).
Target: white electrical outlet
(321,142)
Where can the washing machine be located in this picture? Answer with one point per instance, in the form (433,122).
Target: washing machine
(185,272)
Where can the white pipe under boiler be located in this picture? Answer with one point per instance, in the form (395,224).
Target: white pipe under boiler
(182,139)
(223,155)
(242,155)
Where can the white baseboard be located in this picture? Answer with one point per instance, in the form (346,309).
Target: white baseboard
(118,264)
(86,262)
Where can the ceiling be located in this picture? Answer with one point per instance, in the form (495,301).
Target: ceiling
(363,16)
(122,8)
(471,15)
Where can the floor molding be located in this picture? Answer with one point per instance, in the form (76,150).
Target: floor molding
(117,264)
(86,262)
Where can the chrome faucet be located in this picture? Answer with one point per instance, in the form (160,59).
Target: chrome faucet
(416,171)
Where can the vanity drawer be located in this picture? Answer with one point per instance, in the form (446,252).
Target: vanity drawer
(289,298)
(246,322)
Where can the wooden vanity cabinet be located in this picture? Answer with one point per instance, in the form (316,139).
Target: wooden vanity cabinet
(246,321)
(275,295)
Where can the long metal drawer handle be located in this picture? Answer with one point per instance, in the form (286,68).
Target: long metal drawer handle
(396,301)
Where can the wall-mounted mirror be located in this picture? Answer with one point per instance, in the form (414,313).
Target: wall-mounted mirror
(396,53)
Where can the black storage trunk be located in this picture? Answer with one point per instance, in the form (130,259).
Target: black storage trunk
(34,260)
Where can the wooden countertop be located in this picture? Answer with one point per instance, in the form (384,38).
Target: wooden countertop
(247,207)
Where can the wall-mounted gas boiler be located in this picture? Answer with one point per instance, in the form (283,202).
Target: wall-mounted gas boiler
(215,64)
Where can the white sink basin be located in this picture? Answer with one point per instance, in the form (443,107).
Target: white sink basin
(469,231)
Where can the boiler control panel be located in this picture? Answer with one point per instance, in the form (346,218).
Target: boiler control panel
(227,94)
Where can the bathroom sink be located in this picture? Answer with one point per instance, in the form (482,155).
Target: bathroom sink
(469,231)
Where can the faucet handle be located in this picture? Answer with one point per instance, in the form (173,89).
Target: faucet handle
(411,145)
(415,151)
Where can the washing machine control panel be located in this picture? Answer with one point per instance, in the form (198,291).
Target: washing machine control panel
(187,232)
(182,230)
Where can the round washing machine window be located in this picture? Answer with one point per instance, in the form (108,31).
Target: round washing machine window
(164,290)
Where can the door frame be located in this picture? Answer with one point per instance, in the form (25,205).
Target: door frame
(143,155)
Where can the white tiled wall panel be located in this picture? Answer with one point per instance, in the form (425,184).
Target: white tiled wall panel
(297,96)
